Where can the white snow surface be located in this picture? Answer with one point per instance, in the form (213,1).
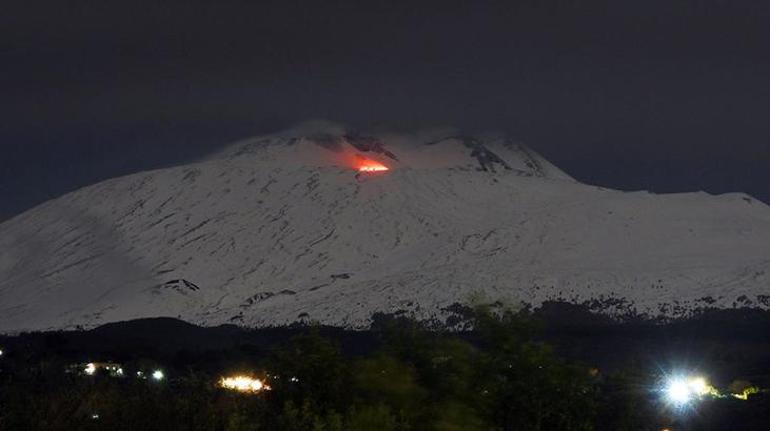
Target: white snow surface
(280,229)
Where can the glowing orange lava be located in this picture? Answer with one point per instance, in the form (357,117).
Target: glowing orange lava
(367,165)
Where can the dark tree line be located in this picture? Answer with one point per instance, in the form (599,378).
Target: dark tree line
(498,378)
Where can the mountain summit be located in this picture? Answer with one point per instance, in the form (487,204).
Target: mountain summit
(325,224)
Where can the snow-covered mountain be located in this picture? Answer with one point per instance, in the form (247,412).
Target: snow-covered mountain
(284,228)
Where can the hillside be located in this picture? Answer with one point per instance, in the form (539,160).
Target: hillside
(285,228)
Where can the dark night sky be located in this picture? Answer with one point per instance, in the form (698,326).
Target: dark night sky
(661,95)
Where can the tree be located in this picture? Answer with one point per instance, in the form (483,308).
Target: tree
(523,386)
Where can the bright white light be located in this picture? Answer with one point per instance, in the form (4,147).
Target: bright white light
(678,392)
(158,375)
(698,386)
(90,369)
(683,390)
(1,352)
(119,371)
(243,384)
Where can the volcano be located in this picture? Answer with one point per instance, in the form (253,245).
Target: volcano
(285,228)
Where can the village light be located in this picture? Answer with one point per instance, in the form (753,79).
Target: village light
(698,386)
(744,392)
(158,375)
(243,384)
(677,392)
(90,369)
(683,390)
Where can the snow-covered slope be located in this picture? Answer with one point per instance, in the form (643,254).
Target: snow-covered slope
(283,228)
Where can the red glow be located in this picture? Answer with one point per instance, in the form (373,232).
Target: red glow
(366,165)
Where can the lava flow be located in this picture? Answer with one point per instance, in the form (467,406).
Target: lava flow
(367,165)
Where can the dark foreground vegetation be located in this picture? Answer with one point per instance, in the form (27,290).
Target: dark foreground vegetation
(512,372)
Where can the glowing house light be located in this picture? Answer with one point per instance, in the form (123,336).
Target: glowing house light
(243,384)
(698,386)
(678,392)
(681,391)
